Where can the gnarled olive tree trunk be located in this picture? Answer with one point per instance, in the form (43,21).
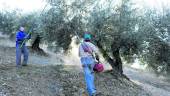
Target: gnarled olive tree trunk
(36,43)
(36,48)
(115,62)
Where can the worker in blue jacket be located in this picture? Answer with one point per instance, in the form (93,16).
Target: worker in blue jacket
(21,47)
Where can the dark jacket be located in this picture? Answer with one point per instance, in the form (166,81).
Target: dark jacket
(21,36)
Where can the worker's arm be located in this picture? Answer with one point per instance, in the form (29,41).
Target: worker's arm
(28,36)
(96,51)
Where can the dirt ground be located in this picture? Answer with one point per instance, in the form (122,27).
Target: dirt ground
(57,80)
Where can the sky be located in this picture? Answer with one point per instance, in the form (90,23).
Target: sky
(153,4)
(34,5)
(25,5)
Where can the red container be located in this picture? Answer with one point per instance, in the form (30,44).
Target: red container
(98,67)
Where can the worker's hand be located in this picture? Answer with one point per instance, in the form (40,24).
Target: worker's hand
(97,57)
(27,37)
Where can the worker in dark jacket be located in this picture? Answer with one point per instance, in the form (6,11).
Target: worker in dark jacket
(21,48)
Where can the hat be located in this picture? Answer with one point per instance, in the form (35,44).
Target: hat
(87,36)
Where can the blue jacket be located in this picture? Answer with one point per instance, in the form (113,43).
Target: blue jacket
(21,36)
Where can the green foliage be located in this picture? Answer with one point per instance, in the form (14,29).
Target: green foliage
(136,33)
(7,22)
